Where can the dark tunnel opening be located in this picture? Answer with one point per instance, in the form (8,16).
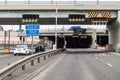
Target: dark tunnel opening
(75,42)
(79,41)
(102,40)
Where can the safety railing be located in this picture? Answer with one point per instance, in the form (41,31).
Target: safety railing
(75,2)
(7,71)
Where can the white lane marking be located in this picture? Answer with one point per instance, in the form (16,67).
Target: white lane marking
(109,64)
(96,57)
(4,56)
(103,54)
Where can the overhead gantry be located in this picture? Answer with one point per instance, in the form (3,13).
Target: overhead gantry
(69,15)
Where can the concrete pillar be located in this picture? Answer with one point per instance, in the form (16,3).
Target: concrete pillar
(114,35)
(94,45)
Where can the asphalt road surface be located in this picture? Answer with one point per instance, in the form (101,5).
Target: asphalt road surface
(83,66)
(6,59)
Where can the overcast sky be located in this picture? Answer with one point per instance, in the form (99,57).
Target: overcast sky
(61,0)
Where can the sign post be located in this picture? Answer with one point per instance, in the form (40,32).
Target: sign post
(32,30)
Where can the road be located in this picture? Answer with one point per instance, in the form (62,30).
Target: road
(6,59)
(83,66)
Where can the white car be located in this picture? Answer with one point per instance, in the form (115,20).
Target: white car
(22,49)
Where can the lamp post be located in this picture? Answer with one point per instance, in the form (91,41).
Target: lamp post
(5,2)
(97,2)
(64,38)
(28,1)
(51,1)
(74,1)
(56,28)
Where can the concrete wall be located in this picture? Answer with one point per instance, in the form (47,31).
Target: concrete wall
(114,35)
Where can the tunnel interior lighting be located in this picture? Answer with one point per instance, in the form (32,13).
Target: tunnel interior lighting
(76,17)
(30,18)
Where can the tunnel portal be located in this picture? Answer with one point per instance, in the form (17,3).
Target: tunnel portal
(75,42)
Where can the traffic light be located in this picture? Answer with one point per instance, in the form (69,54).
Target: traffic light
(76,17)
(30,18)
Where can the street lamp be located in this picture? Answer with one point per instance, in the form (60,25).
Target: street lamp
(28,1)
(56,28)
(6,2)
(97,2)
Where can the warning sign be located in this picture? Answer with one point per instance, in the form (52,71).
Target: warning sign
(99,15)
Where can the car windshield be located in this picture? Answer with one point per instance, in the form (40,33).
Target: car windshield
(21,46)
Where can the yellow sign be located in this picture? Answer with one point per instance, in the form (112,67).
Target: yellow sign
(97,14)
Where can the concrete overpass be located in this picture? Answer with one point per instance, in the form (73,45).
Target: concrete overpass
(12,14)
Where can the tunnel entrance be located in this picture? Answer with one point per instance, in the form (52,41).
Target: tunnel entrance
(102,40)
(75,42)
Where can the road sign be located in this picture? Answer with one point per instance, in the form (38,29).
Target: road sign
(99,15)
(32,29)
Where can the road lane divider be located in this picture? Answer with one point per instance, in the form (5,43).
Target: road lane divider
(96,57)
(109,64)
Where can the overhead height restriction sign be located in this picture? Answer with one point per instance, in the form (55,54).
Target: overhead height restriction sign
(32,29)
(99,15)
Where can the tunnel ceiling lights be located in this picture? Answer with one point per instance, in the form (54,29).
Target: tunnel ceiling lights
(76,18)
(30,18)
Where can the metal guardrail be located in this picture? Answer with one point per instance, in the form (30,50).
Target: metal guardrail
(7,71)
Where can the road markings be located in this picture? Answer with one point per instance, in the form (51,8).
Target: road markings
(96,57)
(109,64)
(104,55)
(1,56)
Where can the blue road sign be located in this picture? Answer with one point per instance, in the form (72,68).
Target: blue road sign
(32,26)
(32,29)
